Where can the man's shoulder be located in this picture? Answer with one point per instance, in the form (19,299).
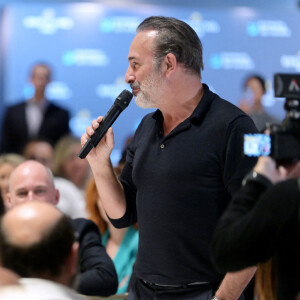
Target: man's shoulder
(19,105)
(56,108)
(83,226)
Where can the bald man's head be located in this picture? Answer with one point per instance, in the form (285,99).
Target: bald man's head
(36,240)
(31,181)
(26,225)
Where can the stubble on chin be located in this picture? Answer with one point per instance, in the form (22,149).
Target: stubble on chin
(142,101)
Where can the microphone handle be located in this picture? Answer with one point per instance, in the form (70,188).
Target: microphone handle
(93,141)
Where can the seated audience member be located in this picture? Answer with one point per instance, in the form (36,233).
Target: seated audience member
(251,102)
(121,244)
(262,222)
(68,165)
(8,162)
(36,117)
(40,150)
(33,181)
(38,243)
(71,200)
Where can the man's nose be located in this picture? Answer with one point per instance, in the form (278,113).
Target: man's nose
(31,196)
(129,76)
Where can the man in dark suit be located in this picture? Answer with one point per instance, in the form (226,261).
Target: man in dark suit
(97,275)
(35,118)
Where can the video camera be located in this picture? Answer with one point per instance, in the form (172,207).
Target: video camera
(283,142)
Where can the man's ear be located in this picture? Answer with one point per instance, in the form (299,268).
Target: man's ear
(7,201)
(169,64)
(72,261)
(56,197)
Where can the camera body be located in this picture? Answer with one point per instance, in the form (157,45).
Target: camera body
(283,141)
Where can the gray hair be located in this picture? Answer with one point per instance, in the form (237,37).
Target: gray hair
(176,37)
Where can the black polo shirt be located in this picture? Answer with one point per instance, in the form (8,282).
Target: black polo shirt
(178,185)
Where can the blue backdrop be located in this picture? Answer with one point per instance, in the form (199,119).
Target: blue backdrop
(87,45)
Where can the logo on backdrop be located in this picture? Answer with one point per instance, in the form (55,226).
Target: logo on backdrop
(231,61)
(202,26)
(85,57)
(270,28)
(119,24)
(48,22)
(110,90)
(56,90)
(290,61)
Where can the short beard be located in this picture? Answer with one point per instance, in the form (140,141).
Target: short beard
(147,97)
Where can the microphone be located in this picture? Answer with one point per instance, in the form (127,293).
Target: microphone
(121,102)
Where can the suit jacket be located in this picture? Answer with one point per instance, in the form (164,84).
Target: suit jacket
(55,124)
(98,275)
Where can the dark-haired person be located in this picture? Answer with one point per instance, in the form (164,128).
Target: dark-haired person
(251,103)
(37,117)
(182,167)
(38,243)
(262,222)
(33,181)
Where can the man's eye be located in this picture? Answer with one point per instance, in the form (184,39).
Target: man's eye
(22,194)
(40,191)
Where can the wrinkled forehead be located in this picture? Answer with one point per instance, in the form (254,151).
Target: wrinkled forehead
(143,43)
(31,177)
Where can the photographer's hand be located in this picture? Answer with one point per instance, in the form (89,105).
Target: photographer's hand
(267,166)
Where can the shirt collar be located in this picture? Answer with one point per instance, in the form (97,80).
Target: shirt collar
(200,109)
(42,105)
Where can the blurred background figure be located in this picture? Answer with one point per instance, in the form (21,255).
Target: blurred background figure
(121,244)
(8,162)
(68,165)
(71,201)
(39,150)
(36,117)
(252,104)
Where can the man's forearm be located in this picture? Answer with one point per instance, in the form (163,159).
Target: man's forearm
(234,283)
(110,191)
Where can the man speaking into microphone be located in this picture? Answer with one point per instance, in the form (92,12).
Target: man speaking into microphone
(182,167)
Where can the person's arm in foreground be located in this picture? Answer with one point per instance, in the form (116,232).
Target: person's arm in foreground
(247,232)
(233,284)
(251,227)
(97,274)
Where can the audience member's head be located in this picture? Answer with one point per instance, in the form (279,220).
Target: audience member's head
(31,181)
(39,150)
(67,164)
(40,77)
(8,162)
(254,85)
(37,241)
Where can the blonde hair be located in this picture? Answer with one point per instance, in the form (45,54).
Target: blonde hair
(62,151)
(12,159)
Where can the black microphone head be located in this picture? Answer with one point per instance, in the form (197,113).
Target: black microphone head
(124,99)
